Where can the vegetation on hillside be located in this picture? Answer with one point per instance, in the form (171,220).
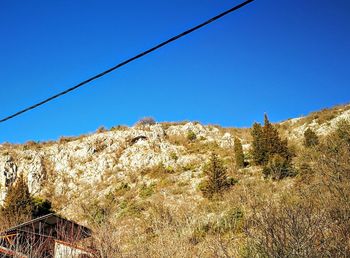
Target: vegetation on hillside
(217,179)
(20,206)
(270,151)
(310,138)
(285,218)
(257,219)
(284,201)
(239,154)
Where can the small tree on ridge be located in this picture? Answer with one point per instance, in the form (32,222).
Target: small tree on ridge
(239,155)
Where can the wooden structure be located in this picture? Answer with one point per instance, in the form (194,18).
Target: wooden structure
(46,236)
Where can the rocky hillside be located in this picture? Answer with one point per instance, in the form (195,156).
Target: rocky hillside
(322,122)
(162,159)
(143,189)
(91,165)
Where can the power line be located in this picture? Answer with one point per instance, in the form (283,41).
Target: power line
(126,61)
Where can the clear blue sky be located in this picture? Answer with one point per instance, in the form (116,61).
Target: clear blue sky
(285,57)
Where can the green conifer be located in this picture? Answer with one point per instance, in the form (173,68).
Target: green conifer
(239,155)
(258,150)
(217,179)
(273,142)
(267,143)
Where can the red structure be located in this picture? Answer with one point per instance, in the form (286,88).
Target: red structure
(46,236)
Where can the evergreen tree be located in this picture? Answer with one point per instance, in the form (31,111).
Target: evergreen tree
(217,177)
(273,143)
(267,142)
(258,150)
(310,138)
(18,204)
(239,155)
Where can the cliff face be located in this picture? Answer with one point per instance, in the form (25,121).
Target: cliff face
(72,166)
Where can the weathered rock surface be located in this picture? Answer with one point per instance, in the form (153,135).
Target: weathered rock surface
(90,160)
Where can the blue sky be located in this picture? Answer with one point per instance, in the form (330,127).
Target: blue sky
(286,58)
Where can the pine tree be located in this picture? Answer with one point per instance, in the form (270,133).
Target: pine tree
(217,177)
(267,143)
(239,155)
(310,138)
(273,143)
(258,150)
(18,204)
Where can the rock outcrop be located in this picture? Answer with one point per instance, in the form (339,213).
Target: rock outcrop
(69,165)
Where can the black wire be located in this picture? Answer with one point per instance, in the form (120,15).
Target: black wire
(127,61)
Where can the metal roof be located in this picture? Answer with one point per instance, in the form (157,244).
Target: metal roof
(51,220)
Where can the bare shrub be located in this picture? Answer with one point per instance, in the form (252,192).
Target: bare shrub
(31,145)
(101,129)
(119,128)
(333,166)
(287,229)
(146,121)
(310,138)
(106,241)
(67,139)
(314,220)
(278,168)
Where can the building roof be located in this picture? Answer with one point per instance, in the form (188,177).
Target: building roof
(50,222)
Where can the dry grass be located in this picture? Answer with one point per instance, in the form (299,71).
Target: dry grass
(306,216)
(257,218)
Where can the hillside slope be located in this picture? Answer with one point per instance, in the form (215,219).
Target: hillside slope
(146,178)
(72,165)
